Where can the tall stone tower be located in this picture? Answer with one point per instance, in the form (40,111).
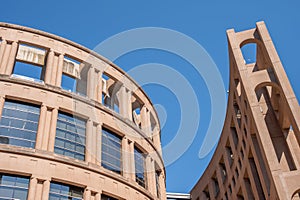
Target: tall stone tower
(258,155)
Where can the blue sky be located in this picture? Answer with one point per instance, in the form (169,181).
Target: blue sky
(91,22)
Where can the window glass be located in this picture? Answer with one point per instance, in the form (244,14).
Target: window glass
(13,187)
(111,151)
(139,167)
(68,83)
(59,191)
(27,70)
(19,124)
(70,136)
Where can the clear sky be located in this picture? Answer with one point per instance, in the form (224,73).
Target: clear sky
(91,22)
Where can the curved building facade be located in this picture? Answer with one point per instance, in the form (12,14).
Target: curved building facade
(257,156)
(73,125)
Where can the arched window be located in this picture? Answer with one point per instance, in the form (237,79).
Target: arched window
(249,53)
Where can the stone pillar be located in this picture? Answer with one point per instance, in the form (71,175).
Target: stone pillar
(91,83)
(99,87)
(41,126)
(54,69)
(5,57)
(88,140)
(125,103)
(11,58)
(59,71)
(162,185)
(126,158)
(32,188)
(150,175)
(98,196)
(49,67)
(2,51)
(46,190)
(145,121)
(132,161)
(98,144)
(51,140)
(47,128)
(87,194)
(156,138)
(2,101)
(129,104)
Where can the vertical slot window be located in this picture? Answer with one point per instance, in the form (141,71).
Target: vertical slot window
(111,151)
(139,159)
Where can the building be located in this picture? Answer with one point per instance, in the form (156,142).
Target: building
(258,155)
(73,125)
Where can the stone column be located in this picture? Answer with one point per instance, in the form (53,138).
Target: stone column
(2,51)
(88,140)
(59,71)
(32,188)
(47,128)
(150,175)
(162,185)
(46,190)
(125,103)
(99,144)
(54,69)
(11,58)
(126,158)
(99,87)
(156,138)
(132,161)
(2,101)
(91,83)
(41,126)
(145,121)
(98,196)
(49,67)
(129,104)
(5,57)
(51,140)
(87,194)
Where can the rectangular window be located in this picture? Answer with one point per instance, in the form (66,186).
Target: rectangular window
(70,136)
(19,124)
(13,187)
(59,191)
(139,159)
(71,77)
(30,62)
(111,151)
(105,197)
(68,83)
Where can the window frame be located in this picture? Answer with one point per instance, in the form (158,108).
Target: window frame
(139,153)
(73,123)
(117,136)
(70,190)
(32,64)
(15,187)
(20,108)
